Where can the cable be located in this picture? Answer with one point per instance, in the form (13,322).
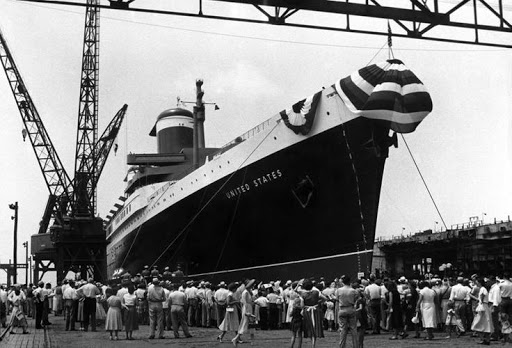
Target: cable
(230,225)
(424,182)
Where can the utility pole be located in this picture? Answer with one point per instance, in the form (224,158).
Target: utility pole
(25,244)
(15,256)
(30,268)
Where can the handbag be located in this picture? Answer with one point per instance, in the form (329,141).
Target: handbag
(416,318)
(480,308)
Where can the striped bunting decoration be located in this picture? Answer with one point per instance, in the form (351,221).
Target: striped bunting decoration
(387,91)
(302,114)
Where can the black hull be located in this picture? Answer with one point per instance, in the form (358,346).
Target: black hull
(311,216)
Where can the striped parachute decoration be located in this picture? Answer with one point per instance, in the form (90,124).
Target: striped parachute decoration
(387,91)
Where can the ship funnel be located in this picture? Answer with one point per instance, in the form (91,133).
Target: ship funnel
(173,130)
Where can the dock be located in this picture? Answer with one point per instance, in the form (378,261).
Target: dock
(54,336)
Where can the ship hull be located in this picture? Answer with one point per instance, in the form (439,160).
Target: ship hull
(307,210)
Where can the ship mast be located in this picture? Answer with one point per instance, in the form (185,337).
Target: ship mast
(199,117)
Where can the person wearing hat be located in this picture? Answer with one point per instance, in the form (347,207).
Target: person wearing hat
(146,274)
(177,301)
(89,291)
(16,299)
(460,295)
(231,322)
(156,296)
(154,272)
(70,304)
(178,273)
(167,275)
(206,296)
(247,314)
(193,304)
(39,303)
(220,298)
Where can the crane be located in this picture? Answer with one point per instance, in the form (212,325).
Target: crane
(77,236)
(87,129)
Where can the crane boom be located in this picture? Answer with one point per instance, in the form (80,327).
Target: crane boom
(84,203)
(104,144)
(57,180)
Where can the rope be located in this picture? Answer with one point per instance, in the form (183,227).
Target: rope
(424,182)
(230,225)
(363,230)
(376,54)
(214,195)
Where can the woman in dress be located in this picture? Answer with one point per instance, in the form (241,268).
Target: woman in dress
(101,315)
(80,307)
(482,323)
(131,321)
(427,308)
(16,299)
(231,321)
(411,300)
(444,295)
(313,317)
(114,321)
(247,314)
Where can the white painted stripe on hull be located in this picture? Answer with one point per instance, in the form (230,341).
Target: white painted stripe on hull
(282,263)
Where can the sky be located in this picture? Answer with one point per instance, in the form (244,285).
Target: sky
(252,71)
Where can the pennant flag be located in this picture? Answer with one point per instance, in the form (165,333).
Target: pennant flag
(302,114)
(387,91)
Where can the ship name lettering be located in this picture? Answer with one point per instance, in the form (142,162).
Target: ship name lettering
(257,182)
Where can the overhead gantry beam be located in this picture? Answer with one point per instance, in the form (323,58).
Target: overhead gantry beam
(478,22)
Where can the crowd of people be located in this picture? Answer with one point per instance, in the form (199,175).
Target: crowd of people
(454,305)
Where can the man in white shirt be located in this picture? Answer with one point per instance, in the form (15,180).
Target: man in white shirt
(193,304)
(177,301)
(373,294)
(89,291)
(165,307)
(70,298)
(220,297)
(459,296)
(494,303)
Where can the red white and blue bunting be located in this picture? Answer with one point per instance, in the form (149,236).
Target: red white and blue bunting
(387,91)
(302,114)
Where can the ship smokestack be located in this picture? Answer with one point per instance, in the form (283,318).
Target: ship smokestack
(173,130)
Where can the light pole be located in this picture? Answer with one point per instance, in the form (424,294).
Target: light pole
(483,214)
(435,227)
(15,256)
(30,268)
(25,244)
